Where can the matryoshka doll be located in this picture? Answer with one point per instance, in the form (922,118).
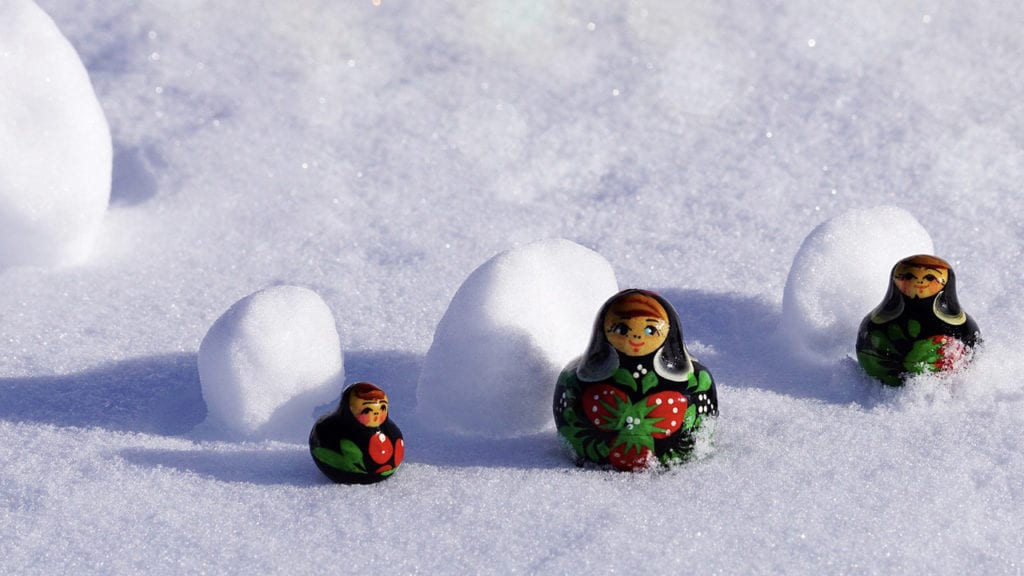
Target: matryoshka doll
(636,397)
(919,326)
(358,443)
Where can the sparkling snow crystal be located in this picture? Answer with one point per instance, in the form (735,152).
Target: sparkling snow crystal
(55,148)
(514,323)
(269,361)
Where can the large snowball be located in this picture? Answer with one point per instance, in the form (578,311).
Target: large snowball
(841,273)
(511,327)
(55,149)
(269,361)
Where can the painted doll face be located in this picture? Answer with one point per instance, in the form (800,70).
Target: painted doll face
(919,281)
(636,325)
(369,412)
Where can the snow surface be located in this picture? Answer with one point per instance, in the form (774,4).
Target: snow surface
(55,147)
(269,361)
(512,326)
(378,154)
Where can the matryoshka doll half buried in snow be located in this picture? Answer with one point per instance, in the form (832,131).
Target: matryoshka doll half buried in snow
(636,397)
(919,326)
(358,443)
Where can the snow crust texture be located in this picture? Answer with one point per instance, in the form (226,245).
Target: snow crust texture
(377,153)
(511,327)
(269,361)
(55,146)
(841,273)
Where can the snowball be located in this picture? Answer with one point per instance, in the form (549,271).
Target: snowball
(55,150)
(511,327)
(841,273)
(269,361)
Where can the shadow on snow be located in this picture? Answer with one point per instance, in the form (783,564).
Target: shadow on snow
(743,349)
(736,337)
(158,394)
(289,465)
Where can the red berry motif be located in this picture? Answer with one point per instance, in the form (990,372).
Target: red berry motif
(615,423)
(952,352)
(630,458)
(381,448)
(602,406)
(669,410)
(399,451)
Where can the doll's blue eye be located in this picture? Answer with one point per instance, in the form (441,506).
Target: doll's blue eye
(650,330)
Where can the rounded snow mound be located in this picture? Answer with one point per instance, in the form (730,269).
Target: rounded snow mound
(55,150)
(840,274)
(511,327)
(269,361)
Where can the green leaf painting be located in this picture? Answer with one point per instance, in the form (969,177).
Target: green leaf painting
(923,357)
(913,328)
(624,378)
(650,380)
(690,418)
(700,382)
(703,381)
(350,459)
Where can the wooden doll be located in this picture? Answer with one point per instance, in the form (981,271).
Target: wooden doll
(919,326)
(636,397)
(358,443)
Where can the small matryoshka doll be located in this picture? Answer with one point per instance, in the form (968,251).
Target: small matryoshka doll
(636,397)
(358,443)
(919,327)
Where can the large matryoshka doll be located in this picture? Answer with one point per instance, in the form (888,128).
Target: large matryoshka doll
(358,443)
(636,397)
(919,326)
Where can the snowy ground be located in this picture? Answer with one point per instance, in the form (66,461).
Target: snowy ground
(379,154)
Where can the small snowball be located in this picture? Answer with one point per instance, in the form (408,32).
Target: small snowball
(840,274)
(55,150)
(269,361)
(511,327)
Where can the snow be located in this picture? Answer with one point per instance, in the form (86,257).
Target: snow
(841,273)
(269,361)
(359,151)
(55,147)
(512,326)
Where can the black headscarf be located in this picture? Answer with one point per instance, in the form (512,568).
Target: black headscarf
(671,361)
(945,305)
